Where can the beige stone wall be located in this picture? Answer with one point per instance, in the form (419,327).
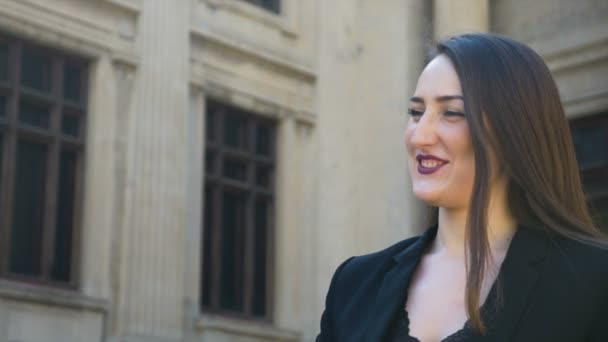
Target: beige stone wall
(542,19)
(572,37)
(336,75)
(457,17)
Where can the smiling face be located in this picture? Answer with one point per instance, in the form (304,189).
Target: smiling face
(440,153)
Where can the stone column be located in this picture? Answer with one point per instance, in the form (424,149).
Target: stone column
(151,288)
(371,53)
(293,236)
(193,234)
(99,195)
(454,17)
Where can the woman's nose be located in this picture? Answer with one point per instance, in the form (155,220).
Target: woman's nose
(425,131)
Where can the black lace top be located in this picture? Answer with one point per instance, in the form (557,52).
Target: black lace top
(401,331)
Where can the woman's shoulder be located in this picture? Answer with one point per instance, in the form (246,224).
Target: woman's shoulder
(372,265)
(580,263)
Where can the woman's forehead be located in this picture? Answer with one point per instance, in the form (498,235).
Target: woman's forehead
(438,78)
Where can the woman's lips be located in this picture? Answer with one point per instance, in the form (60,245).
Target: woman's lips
(428,164)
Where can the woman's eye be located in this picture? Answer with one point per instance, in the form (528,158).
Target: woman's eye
(414,112)
(453,113)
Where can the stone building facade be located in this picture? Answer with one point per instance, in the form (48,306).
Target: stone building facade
(200,167)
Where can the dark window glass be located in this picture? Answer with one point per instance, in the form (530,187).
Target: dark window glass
(236,231)
(28,208)
(270,5)
(1,163)
(72,83)
(233,213)
(34,114)
(207,248)
(235,169)
(3,61)
(65,217)
(70,125)
(263,176)
(3,104)
(590,137)
(591,143)
(36,70)
(209,163)
(210,124)
(234,131)
(263,142)
(260,258)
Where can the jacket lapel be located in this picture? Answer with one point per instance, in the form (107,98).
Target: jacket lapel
(518,276)
(391,296)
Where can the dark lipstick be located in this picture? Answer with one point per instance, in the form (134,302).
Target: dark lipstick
(428,170)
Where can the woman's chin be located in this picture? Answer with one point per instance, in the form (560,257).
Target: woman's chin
(428,197)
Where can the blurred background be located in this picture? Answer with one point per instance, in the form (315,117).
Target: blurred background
(195,170)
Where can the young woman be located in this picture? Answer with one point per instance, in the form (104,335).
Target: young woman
(513,254)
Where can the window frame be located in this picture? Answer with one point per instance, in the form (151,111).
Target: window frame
(220,184)
(12,131)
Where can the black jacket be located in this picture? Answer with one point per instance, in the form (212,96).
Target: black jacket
(554,289)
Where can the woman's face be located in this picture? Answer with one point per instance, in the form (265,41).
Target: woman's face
(440,153)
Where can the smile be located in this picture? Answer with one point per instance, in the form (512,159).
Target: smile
(428,164)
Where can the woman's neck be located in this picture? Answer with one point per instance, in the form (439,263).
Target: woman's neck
(450,240)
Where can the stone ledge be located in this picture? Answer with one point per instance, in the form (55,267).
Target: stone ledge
(580,56)
(254,102)
(51,296)
(237,327)
(126,5)
(586,104)
(574,49)
(282,21)
(55,29)
(291,92)
(271,57)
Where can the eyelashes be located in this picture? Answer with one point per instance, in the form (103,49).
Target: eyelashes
(453,113)
(413,112)
(450,113)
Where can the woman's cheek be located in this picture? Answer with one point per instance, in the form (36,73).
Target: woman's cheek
(407,136)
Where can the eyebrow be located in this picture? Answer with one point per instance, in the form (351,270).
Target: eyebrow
(438,98)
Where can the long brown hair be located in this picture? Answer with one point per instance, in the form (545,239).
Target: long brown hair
(509,91)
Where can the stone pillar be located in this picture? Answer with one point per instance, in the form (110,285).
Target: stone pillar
(193,234)
(294,238)
(371,54)
(151,289)
(455,17)
(99,195)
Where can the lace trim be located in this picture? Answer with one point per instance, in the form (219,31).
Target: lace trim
(401,328)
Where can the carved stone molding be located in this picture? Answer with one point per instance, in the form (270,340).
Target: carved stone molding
(206,37)
(133,6)
(250,79)
(574,49)
(586,104)
(41,22)
(286,21)
(577,59)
